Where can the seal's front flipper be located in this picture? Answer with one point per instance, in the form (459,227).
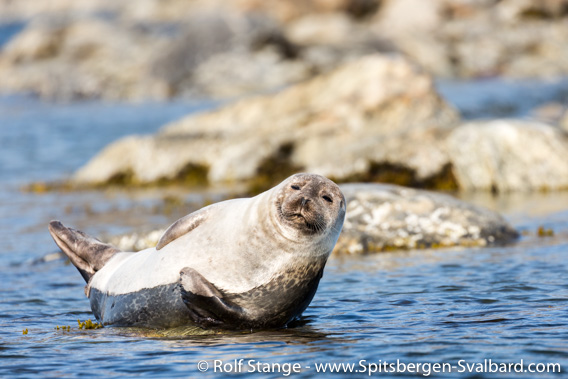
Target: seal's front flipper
(206,303)
(182,226)
(88,254)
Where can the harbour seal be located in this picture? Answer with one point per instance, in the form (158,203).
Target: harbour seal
(238,264)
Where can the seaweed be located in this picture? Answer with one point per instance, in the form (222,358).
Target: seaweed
(274,169)
(88,324)
(544,232)
(385,172)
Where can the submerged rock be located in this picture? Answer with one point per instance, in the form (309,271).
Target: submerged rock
(373,115)
(509,155)
(137,241)
(383,217)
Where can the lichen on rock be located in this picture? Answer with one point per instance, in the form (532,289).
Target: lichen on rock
(383,217)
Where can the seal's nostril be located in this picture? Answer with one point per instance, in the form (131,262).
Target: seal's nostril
(305,201)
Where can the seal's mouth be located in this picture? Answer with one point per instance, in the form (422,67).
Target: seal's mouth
(311,226)
(305,220)
(314,228)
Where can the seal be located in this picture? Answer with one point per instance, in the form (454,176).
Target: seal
(245,263)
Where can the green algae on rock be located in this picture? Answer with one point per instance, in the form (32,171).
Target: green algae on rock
(273,169)
(404,176)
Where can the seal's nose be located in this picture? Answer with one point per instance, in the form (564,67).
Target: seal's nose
(305,201)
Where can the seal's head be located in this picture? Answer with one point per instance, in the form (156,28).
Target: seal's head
(311,204)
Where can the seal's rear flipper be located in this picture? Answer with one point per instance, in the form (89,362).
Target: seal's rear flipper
(88,254)
(205,302)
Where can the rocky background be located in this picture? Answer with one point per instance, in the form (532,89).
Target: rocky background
(344,88)
(159,49)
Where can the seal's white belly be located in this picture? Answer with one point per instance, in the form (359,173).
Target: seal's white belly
(221,249)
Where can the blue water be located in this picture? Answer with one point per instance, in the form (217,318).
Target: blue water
(452,306)
(9,30)
(494,98)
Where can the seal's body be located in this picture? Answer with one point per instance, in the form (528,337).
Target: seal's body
(243,263)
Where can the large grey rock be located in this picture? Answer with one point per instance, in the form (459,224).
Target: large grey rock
(372,111)
(382,217)
(386,217)
(509,155)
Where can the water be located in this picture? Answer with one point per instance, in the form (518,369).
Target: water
(453,306)
(494,98)
(9,30)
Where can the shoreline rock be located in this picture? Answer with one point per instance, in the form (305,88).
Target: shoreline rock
(375,112)
(382,217)
(509,155)
(376,119)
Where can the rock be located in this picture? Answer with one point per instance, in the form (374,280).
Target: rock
(227,55)
(509,155)
(514,10)
(177,48)
(321,29)
(382,217)
(137,241)
(375,112)
(292,10)
(550,113)
(144,10)
(328,40)
(406,17)
(564,121)
(456,38)
(23,10)
(386,217)
(257,72)
(205,53)
(82,59)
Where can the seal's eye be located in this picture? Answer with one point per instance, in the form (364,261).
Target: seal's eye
(297,188)
(327,198)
